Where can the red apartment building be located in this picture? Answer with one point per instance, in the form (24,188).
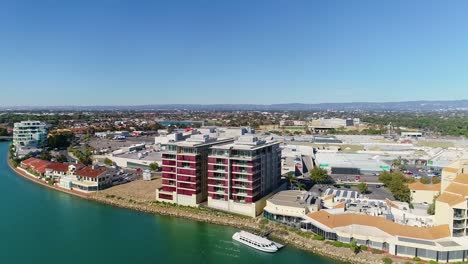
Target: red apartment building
(242,174)
(185,170)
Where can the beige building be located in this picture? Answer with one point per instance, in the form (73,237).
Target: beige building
(423,193)
(451,205)
(446,240)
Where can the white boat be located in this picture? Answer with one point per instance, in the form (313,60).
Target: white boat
(256,242)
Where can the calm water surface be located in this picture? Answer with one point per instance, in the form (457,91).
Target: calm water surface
(38,225)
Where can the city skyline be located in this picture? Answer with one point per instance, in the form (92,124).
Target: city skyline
(243,52)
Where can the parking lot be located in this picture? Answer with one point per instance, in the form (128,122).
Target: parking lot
(378,192)
(111,145)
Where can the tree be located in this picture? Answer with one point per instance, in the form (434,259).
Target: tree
(108,162)
(45,155)
(300,186)
(318,175)
(154,166)
(435,180)
(431,208)
(362,187)
(425,180)
(397,183)
(291,179)
(61,158)
(60,140)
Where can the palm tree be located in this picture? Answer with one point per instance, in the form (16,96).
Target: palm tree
(300,186)
(291,179)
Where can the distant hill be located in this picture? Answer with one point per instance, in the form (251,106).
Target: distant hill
(352,106)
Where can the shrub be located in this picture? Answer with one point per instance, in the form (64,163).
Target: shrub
(318,237)
(417,259)
(364,248)
(432,262)
(387,260)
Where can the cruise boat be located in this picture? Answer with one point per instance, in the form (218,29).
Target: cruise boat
(256,242)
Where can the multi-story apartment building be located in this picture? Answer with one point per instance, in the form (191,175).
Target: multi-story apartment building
(185,169)
(30,134)
(242,174)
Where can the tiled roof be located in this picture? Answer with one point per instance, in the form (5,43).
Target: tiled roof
(450,199)
(387,226)
(424,187)
(90,172)
(461,178)
(340,205)
(56,166)
(36,164)
(450,169)
(456,188)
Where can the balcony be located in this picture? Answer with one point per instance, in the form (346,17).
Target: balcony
(187,172)
(187,179)
(168,169)
(222,184)
(243,163)
(186,192)
(168,162)
(217,168)
(459,233)
(168,182)
(459,214)
(168,176)
(169,156)
(168,189)
(165,196)
(186,158)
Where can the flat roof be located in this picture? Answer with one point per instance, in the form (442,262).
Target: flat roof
(240,146)
(341,220)
(186,143)
(292,198)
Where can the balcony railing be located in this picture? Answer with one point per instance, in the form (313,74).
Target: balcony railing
(458,216)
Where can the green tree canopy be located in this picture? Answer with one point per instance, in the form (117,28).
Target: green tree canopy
(362,187)
(108,162)
(319,175)
(154,166)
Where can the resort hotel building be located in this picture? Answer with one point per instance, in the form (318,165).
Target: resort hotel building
(229,174)
(399,230)
(75,176)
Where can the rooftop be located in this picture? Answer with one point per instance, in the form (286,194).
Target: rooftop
(387,226)
(90,172)
(244,144)
(293,198)
(418,186)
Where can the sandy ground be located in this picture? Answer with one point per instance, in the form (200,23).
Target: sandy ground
(138,190)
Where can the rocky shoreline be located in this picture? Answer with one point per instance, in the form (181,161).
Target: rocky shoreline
(280,232)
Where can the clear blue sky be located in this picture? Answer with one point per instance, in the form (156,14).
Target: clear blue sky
(108,52)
